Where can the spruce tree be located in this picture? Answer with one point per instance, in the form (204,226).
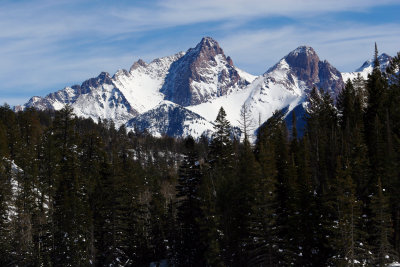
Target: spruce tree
(222,163)
(349,239)
(69,216)
(381,227)
(188,248)
(6,251)
(265,246)
(375,113)
(322,131)
(394,142)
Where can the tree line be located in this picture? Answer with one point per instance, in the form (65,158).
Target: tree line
(78,193)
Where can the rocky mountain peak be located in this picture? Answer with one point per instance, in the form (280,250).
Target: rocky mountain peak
(230,61)
(208,46)
(204,72)
(137,64)
(103,78)
(303,49)
(304,64)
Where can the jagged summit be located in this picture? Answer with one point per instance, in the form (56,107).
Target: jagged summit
(305,58)
(103,78)
(304,64)
(209,40)
(137,64)
(203,73)
(303,49)
(208,46)
(384,60)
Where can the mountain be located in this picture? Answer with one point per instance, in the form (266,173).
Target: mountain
(367,66)
(170,119)
(181,94)
(200,74)
(142,84)
(95,98)
(203,73)
(283,86)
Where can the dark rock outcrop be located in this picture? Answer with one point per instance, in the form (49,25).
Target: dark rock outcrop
(305,64)
(202,73)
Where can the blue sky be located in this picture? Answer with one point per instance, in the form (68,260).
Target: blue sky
(47,45)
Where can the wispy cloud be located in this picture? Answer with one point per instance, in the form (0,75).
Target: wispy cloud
(169,13)
(345,46)
(44,44)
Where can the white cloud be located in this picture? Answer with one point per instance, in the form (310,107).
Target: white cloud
(344,46)
(169,13)
(47,43)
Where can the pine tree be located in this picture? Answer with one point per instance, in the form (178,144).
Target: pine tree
(375,113)
(6,251)
(158,228)
(210,225)
(222,164)
(348,240)
(216,193)
(360,89)
(346,105)
(322,131)
(189,251)
(382,230)
(393,143)
(321,119)
(243,201)
(221,144)
(286,177)
(306,243)
(69,216)
(264,250)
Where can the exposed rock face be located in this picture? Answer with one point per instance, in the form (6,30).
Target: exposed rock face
(201,74)
(137,64)
(329,79)
(305,64)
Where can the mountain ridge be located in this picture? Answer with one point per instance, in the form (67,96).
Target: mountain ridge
(198,81)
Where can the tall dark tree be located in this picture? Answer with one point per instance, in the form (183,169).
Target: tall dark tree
(70,209)
(382,231)
(375,113)
(6,251)
(349,240)
(393,144)
(323,140)
(190,252)
(221,159)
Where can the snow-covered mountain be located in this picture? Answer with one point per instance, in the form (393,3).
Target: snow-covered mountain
(203,73)
(367,67)
(142,84)
(95,98)
(170,119)
(181,94)
(284,86)
(200,74)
